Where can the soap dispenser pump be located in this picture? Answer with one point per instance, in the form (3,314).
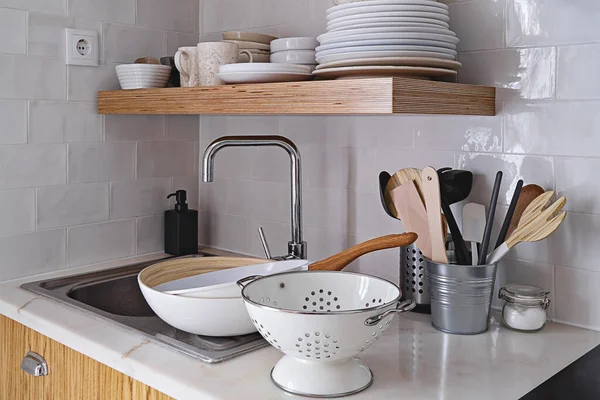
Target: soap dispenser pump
(181,227)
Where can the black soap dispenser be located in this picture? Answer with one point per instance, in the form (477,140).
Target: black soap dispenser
(181,227)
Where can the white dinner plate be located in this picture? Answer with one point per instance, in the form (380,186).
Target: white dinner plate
(386,8)
(383,71)
(262,77)
(264,68)
(386,22)
(431,3)
(384,43)
(355,49)
(389,14)
(394,61)
(384,29)
(374,37)
(380,54)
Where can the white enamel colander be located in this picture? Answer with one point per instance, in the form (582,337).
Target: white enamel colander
(322,320)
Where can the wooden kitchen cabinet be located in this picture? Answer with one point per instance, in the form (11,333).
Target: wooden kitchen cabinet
(71,375)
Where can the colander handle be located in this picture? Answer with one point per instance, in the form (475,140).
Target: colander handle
(402,307)
(244,281)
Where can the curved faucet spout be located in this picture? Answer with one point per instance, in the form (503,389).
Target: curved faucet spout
(296,247)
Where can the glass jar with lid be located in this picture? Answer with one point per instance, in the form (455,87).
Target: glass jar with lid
(524,307)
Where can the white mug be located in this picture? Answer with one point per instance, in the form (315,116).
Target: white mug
(186,61)
(211,55)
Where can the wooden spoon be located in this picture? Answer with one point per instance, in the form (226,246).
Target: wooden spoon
(543,222)
(341,260)
(528,194)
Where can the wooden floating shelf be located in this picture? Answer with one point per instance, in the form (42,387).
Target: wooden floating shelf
(353,96)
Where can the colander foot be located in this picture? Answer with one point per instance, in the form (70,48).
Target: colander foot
(322,379)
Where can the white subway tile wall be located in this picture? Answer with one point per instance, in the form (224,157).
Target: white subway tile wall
(69,188)
(543,58)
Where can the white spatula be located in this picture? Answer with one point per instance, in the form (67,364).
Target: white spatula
(473,227)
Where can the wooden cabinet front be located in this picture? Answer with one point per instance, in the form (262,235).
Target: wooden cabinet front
(71,375)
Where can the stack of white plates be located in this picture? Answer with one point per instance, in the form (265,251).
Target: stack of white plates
(295,50)
(143,76)
(263,73)
(388,38)
(256,43)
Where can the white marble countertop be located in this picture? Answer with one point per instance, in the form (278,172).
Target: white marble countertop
(410,361)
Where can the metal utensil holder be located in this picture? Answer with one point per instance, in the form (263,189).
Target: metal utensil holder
(461,296)
(413,282)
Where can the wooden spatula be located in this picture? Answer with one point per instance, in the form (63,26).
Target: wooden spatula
(431,192)
(543,222)
(528,194)
(399,178)
(411,211)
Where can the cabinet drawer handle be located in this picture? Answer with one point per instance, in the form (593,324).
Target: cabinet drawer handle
(34,364)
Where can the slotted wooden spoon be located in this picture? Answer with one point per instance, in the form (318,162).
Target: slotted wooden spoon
(536,206)
(528,194)
(540,223)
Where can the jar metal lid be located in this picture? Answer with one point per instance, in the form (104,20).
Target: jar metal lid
(525,295)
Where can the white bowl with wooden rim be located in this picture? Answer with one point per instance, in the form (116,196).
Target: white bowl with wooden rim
(200,316)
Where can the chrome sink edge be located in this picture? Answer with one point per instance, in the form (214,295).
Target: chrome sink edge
(57,289)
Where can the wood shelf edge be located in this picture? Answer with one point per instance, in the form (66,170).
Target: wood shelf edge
(353,96)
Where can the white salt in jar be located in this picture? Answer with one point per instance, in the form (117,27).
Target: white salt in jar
(524,307)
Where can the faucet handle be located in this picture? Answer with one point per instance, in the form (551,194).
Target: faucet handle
(265,245)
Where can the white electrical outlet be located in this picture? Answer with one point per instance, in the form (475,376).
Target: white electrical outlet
(82,47)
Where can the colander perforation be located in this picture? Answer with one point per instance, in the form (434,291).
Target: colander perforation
(321,300)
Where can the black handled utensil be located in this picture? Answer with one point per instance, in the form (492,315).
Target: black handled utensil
(509,214)
(455,186)
(384,178)
(485,244)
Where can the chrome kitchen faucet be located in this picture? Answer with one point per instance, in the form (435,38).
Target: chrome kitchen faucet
(296,247)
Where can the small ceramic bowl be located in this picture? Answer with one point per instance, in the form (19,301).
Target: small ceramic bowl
(306,57)
(140,76)
(294,43)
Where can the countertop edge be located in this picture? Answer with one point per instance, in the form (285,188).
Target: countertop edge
(90,335)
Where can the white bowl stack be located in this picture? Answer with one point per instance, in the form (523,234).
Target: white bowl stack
(372,38)
(295,50)
(256,43)
(143,76)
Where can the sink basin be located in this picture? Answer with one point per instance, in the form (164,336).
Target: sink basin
(115,296)
(120,296)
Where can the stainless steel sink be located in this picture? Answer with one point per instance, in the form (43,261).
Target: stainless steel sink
(115,296)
